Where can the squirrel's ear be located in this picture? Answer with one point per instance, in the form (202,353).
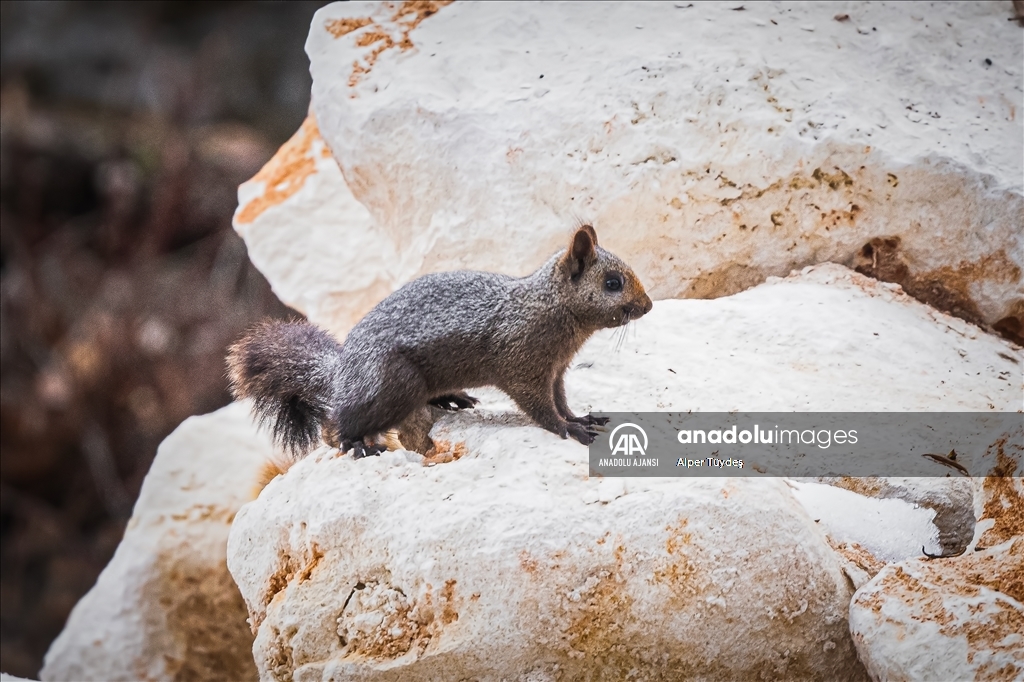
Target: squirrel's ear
(590,230)
(582,251)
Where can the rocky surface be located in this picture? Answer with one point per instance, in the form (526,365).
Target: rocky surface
(392,568)
(823,339)
(165,608)
(711,147)
(951,500)
(999,497)
(960,617)
(947,619)
(508,563)
(336,282)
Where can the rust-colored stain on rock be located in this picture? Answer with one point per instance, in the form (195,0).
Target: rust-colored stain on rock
(205,617)
(286,172)
(448,613)
(288,568)
(405,17)
(598,620)
(924,586)
(858,556)
(679,571)
(315,556)
(406,623)
(445,451)
(204,512)
(947,288)
(528,563)
(340,27)
(810,211)
(1005,504)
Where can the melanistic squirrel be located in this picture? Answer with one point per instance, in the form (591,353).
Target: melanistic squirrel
(432,338)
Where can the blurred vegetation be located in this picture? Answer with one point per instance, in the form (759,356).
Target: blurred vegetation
(125,130)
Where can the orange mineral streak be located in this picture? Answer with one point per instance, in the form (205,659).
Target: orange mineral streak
(385,35)
(340,27)
(286,172)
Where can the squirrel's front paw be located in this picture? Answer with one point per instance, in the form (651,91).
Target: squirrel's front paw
(581,433)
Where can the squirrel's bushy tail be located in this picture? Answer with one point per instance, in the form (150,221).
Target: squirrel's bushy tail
(288,369)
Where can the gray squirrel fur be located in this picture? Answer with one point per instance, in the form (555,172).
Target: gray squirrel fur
(431,339)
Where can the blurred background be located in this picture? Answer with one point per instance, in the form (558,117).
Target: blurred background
(125,130)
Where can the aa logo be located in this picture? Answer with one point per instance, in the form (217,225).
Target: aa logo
(626,440)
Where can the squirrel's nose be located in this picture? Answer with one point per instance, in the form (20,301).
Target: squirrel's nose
(638,309)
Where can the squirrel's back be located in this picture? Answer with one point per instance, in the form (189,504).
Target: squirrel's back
(457,328)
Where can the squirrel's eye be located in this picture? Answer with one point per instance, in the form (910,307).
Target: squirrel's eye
(613,282)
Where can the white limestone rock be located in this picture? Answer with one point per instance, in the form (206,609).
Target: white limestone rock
(960,617)
(825,339)
(311,238)
(165,607)
(499,566)
(508,562)
(950,502)
(830,339)
(712,148)
(947,619)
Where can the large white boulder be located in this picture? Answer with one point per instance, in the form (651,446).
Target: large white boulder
(960,617)
(823,340)
(508,562)
(711,147)
(165,607)
(948,619)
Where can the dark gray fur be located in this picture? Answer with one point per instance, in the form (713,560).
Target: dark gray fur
(432,338)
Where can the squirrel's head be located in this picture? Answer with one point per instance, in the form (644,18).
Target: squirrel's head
(604,291)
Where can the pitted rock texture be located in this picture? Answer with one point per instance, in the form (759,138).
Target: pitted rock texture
(999,497)
(496,566)
(165,607)
(956,618)
(960,618)
(712,148)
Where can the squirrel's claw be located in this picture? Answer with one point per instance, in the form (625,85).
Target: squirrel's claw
(361,449)
(590,420)
(583,434)
(455,401)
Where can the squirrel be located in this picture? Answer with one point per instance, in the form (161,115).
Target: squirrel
(430,340)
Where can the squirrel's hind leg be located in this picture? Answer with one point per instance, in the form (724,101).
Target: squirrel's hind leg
(360,449)
(374,402)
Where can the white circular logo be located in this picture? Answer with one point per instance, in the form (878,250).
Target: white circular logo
(628,442)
